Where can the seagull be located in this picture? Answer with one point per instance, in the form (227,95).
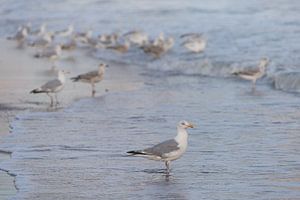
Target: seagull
(155,50)
(168,150)
(158,49)
(108,39)
(53,86)
(92,77)
(136,37)
(194,42)
(66,32)
(41,40)
(20,35)
(121,48)
(254,74)
(50,52)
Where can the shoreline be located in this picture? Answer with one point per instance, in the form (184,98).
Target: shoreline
(19,76)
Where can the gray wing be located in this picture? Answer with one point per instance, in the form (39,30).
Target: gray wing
(89,75)
(51,85)
(162,148)
(249,72)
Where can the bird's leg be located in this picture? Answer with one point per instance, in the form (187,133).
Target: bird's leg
(93,90)
(167,163)
(56,99)
(51,99)
(253,84)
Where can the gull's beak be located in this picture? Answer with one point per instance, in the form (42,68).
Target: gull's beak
(191,125)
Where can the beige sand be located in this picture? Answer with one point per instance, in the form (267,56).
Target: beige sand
(20,72)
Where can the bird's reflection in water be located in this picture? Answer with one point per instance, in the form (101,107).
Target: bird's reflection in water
(163,185)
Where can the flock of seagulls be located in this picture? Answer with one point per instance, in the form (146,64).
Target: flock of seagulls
(52,44)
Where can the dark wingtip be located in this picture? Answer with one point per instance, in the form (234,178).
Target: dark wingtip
(135,152)
(74,79)
(32,91)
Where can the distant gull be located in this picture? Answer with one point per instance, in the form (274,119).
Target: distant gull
(53,86)
(157,49)
(154,50)
(50,52)
(194,42)
(253,74)
(121,48)
(41,40)
(169,150)
(66,32)
(92,77)
(108,39)
(136,37)
(20,35)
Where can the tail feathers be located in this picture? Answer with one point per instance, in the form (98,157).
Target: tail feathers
(235,73)
(37,55)
(74,79)
(35,91)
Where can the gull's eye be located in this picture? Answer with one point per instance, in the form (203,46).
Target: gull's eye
(182,123)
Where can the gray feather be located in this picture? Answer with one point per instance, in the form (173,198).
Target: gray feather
(162,148)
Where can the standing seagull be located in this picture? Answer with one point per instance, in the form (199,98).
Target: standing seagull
(53,86)
(92,77)
(168,150)
(254,74)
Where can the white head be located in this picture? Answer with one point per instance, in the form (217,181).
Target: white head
(24,32)
(61,74)
(102,66)
(264,62)
(184,124)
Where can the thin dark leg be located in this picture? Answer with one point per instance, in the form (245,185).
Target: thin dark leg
(93,90)
(51,99)
(56,99)
(167,163)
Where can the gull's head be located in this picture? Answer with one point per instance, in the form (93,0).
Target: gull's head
(61,71)
(264,62)
(184,124)
(103,66)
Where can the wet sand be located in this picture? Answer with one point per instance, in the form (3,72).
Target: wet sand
(21,72)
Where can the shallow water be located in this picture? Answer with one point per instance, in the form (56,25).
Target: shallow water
(245,144)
